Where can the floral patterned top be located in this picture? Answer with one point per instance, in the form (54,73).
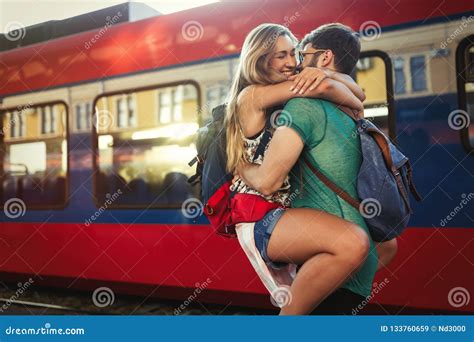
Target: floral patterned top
(282,195)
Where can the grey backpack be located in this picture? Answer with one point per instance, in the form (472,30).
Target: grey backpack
(384,182)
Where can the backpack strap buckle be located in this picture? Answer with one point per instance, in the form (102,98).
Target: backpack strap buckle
(208,209)
(196,159)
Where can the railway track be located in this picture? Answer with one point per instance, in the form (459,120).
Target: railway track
(51,301)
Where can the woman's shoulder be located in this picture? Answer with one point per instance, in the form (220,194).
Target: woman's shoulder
(246,103)
(245,95)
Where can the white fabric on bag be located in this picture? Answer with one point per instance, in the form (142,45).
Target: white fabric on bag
(273,279)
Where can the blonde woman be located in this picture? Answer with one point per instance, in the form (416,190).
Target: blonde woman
(328,248)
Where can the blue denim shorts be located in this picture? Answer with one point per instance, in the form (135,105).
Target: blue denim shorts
(262,231)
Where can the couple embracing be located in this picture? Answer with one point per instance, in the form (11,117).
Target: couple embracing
(321,233)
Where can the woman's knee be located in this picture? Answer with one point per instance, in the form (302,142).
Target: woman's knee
(356,247)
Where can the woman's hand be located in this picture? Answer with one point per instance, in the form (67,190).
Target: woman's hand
(238,172)
(236,178)
(309,78)
(358,114)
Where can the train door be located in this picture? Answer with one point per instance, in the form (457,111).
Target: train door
(463,119)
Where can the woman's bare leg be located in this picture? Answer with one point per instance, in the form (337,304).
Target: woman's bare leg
(328,247)
(386,251)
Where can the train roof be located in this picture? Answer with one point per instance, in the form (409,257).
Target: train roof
(95,20)
(205,33)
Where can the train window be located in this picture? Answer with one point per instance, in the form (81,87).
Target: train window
(177,96)
(48,116)
(470,64)
(40,182)
(371,75)
(125,111)
(147,165)
(418,73)
(216,94)
(170,102)
(17,123)
(398,65)
(83,116)
(164,106)
(469,87)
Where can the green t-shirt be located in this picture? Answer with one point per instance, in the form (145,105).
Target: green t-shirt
(333,147)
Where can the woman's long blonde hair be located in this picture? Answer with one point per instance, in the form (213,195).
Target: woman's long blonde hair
(252,69)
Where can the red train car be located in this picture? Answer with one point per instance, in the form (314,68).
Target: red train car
(98,128)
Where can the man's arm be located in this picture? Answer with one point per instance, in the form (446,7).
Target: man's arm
(282,153)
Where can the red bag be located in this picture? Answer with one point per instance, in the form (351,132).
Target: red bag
(250,208)
(224,211)
(217,210)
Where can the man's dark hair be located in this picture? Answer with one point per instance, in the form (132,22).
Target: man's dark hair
(339,38)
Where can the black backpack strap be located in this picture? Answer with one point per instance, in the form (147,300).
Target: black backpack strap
(193,161)
(196,178)
(267,135)
(331,185)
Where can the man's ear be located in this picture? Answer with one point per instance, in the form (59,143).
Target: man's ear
(327,59)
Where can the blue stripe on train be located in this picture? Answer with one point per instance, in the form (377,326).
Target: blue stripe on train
(443,173)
